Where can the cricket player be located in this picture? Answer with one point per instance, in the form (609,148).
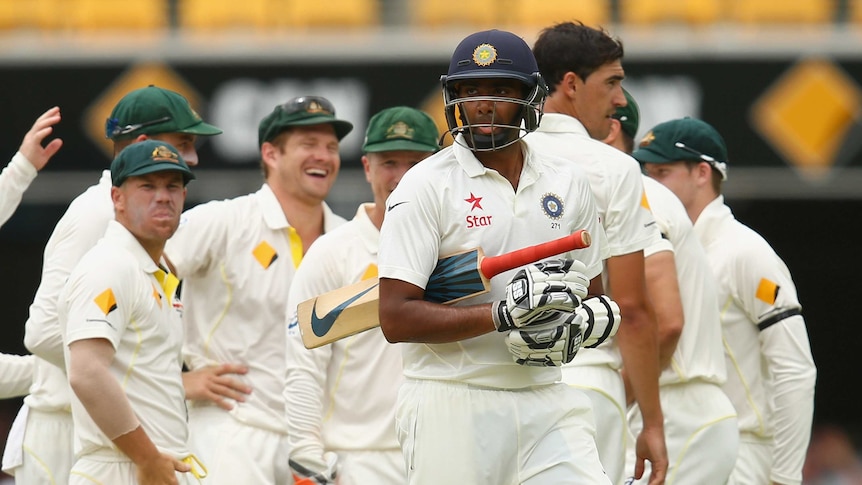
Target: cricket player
(481,402)
(700,421)
(237,259)
(16,371)
(583,68)
(148,113)
(341,397)
(122,330)
(771,373)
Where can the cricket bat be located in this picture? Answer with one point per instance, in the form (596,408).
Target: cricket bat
(352,309)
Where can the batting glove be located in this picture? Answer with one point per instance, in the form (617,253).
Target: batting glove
(601,317)
(552,342)
(557,284)
(305,476)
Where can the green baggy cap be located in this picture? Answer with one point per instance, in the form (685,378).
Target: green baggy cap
(401,128)
(153,110)
(146,157)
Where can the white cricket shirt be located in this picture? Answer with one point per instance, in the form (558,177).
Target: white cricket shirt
(81,226)
(236,261)
(113,294)
(770,370)
(699,353)
(450,203)
(617,185)
(14,180)
(340,396)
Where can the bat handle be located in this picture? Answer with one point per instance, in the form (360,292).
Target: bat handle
(494,265)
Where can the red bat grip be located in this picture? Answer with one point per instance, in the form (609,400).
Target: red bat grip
(493,265)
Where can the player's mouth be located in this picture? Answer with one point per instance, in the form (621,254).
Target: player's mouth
(317,172)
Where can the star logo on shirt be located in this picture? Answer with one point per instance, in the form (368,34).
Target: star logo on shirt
(476,201)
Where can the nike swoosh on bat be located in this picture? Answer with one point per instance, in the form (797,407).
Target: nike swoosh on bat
(320,326)
(396,205)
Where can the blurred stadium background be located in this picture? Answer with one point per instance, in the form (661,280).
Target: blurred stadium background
(780,79)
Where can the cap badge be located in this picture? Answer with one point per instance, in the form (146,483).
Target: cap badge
(647,139)
(163,154)
(315,107)
(484,55)
(399,130)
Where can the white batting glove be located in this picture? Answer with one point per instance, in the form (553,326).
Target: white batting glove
(305,476)
(556,284)
(550,343)
(601,317)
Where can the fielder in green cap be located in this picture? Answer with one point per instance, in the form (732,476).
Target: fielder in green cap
(243,253)
(139,116)
(771,374)
(699,418)
(684,140)
(396,139)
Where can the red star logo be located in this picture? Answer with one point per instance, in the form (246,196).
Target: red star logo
(476,201)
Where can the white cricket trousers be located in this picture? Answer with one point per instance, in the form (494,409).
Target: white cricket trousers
(101,471)
(378,467)
(604,386)
(701,434)
(456,433)
(753,462)
(46,446)
(236,453)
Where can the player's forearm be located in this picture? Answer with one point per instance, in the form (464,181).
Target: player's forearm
(17,375)
(406,317)
(137,446)
(304,405)
(663,292)
(638,344)
(420,321)
(792,375)
(14,180)
(99,392)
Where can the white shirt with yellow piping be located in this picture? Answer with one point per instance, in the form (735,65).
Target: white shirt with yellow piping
(770,369)
(341,396)
(237,258)
(118,293)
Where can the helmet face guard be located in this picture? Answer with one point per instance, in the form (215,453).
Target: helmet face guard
(504,132)
(493,54)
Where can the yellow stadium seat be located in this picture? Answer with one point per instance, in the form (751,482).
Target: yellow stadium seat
(141,15)
(544,13)
(782,11)
(333,13)
(215,15)
(478,14)
(680,11)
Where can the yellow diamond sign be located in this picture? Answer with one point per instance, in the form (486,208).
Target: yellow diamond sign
(139,76)
(808,114)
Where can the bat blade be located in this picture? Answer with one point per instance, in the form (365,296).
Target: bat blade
(352,309)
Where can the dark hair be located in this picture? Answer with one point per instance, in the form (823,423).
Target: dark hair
(573,47)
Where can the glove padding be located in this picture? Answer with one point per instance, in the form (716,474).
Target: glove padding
(539,288)
(551,341)
(305,476)
(601,317)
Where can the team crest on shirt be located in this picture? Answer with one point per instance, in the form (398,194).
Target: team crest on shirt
(484,55)
(552,206)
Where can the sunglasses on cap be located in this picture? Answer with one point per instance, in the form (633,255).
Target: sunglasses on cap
(308,104)
(720,166)
(113,128)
